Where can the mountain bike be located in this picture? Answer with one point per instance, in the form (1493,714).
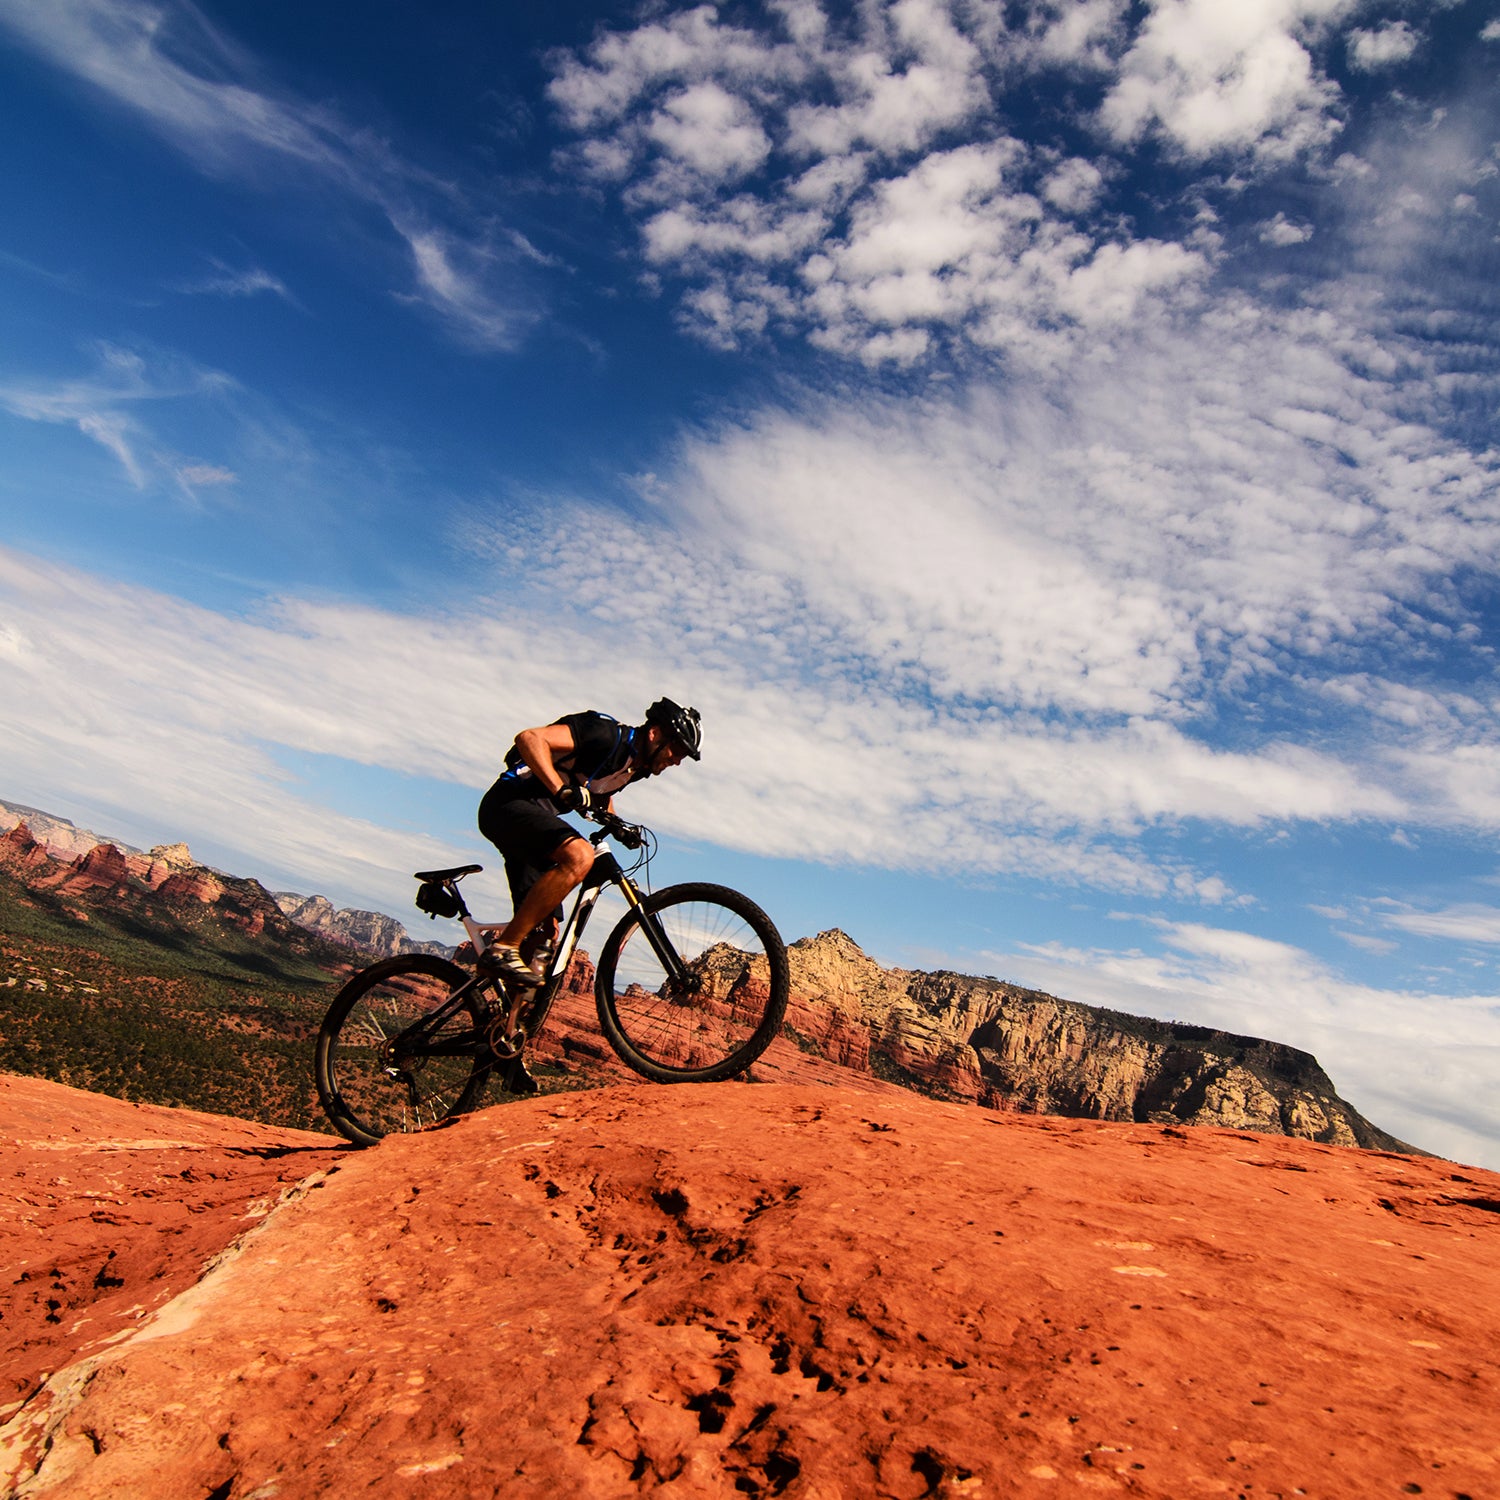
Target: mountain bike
(691,987)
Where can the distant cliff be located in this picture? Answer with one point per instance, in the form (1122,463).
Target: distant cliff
(958,1037)
(164,883)
(58,835)
(369,931)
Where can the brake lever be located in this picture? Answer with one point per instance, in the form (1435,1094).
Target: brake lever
(610,826)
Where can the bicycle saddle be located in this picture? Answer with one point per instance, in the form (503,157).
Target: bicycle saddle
(456,873)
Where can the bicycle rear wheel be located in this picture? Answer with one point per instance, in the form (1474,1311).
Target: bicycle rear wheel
(372,1083)
(727,1003)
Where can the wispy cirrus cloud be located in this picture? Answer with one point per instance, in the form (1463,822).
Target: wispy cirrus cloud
(102,405)
(1012,622)
(166,66)
(1470,923)
(870,779)
(227,281)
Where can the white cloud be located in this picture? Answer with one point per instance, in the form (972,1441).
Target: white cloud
(192,700)
(113,432)
(1446,717)
(1216,78)
(1463,924)
(1002,623)
(861,177)
(888,213)
(133,53)
(994,627)
(1084,34)
(917,75)
(452,280)
(1491,32)
(1383,47)
(198,476)
(711,131)
(1420,1065)
(686,47)
(1074,186)
(1380,947)
(1281,231)
(225,281)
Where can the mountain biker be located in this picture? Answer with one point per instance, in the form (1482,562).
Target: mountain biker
(574,764)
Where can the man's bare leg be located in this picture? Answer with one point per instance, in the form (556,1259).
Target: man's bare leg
(573,861)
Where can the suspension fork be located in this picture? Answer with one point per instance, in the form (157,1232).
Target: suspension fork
(606,871)
(661,944)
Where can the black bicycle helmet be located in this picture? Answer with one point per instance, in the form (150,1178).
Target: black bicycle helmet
(679,724)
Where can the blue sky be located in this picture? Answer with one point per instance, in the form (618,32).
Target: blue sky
(1054,445)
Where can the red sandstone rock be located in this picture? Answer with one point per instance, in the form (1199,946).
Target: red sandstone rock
(164,861)
(191,885)
(572,1042)
(109,1210)
(21,854)
(102,868)
(103,865)
(762,1290)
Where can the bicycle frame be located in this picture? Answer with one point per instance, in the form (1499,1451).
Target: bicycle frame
(606,870)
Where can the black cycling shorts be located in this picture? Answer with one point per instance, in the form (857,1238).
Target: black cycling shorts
(528,833)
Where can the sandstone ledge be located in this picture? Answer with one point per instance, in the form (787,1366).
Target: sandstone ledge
(774,1289)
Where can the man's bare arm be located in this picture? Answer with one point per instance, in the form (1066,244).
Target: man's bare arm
(537,748)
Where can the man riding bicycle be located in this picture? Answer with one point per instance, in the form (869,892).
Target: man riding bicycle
(575,764)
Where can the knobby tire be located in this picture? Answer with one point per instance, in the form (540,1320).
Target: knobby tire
(367,1091)
(730,1009)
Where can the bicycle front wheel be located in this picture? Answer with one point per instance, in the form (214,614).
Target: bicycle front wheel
(376,1077)
(692,984)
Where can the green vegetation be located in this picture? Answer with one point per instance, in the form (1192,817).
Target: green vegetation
(168,1008)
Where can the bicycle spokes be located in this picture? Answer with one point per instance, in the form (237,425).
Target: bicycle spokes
(402,1048)
(689,985)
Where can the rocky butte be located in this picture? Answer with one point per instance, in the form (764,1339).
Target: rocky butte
(1005,1047)
(732,1290)
(168,875)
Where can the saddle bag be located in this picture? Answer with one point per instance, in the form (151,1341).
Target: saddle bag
(436,899)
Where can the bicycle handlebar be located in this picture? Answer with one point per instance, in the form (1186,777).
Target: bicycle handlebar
(631,835)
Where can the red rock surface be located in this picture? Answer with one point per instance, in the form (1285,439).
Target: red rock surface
(807,1291)
(109,1210)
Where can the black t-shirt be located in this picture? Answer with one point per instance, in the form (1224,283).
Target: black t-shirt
(606,756)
